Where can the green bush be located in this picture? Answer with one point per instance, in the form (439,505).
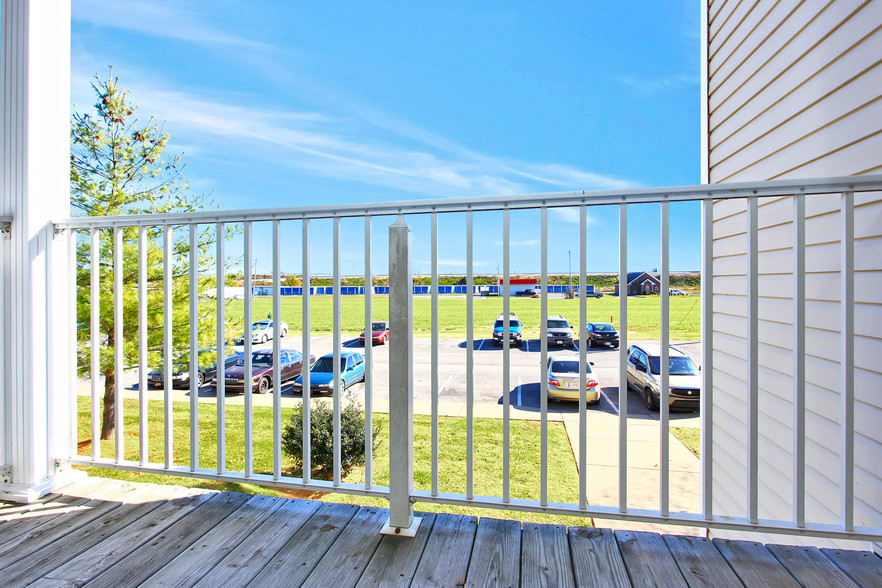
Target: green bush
(352,434)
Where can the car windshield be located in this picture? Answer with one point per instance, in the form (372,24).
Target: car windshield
(604,328)
(513,323)
(259,359)
(568,367)
(677,366)
(558,325)
(326,364)
(257,326)
(379,326)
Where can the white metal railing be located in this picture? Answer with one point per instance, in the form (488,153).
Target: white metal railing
(401,492)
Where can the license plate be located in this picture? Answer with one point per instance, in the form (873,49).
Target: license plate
(573,385)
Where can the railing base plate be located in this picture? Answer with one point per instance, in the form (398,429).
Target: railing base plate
(410,531)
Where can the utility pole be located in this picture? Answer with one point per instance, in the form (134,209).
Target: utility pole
(570,265)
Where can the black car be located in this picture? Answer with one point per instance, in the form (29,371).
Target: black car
(181,369)
(601,334)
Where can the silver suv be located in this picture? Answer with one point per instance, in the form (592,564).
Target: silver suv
(559,331)
(644,375)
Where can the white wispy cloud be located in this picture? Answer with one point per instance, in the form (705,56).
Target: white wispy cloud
(651,85)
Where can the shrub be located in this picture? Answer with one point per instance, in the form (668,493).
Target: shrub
(352,435)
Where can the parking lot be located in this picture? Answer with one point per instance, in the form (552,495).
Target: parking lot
(524,377)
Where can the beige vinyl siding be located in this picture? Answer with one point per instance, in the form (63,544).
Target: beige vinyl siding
(794,89)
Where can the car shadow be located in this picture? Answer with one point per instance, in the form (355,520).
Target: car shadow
(528,397)
(527,346)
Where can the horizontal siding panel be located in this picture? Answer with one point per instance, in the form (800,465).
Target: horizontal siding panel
(728,34)
(830,93)
(760,162)
(861,155)
(804,44)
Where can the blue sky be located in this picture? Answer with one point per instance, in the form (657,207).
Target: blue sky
(290,104)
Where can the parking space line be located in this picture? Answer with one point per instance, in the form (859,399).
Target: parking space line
(527,343)
(444,385)
(519,391)
(615,408)
(482,344)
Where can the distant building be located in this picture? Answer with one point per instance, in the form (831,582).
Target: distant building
(641,283)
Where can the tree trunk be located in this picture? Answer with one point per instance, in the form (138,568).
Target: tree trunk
(109,416)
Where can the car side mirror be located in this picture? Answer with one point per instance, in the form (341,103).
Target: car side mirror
(590,363)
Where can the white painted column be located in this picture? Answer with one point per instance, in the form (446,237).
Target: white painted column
(34,268)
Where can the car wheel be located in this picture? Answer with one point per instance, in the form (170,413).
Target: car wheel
(263,339)
(263,386)
(342,385)
(200,379)
(284,332)
(615,345)
(651,402)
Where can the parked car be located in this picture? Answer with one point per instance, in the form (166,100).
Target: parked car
(515,332)
(674,292)
(181,369)
(563,379)
(263,331)
(379,333)
(321,375)
(599,334)
(290,364)
(558,331)
(644,375)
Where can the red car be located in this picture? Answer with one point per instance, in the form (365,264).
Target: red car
(379,333)
(291,364)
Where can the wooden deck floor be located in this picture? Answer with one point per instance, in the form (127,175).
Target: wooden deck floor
(108,533)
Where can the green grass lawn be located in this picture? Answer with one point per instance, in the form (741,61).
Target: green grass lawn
(563,479)
(690,437)
(643,314)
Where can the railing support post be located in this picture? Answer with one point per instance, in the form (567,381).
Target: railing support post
(401,520)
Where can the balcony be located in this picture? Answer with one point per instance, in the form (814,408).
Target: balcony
(240,539)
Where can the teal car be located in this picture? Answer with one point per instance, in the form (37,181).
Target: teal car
(515,333)
(321,375)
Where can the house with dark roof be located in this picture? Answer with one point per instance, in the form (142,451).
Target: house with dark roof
(641,283)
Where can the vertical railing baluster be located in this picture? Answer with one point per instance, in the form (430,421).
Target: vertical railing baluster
(167,348)
(752,359)
(368,358)
(277,351)
(665,390)
(143,368)
(543,346)
(194,348)
(470,362)
(846,387)
(246,341)
(799,360)
(707,361)
(118,343)
(338,382)
(306,393)
(94,349)
(623,357)
(506,358)
(435,391)
(72,380)
(583,357)
(220,336)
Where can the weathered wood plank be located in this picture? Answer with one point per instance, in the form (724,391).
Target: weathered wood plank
(31,521)
(299,556)
(496,556)
(755,565)
(812,568)
(253,553)
(349,556)
(700,562)
(187,568)
(447,552)
(36,563)
(864,567)
(140,536)
(545,556)
(596,558)
(395,561)
(648,560)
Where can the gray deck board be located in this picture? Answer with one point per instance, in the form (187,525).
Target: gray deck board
(596,557)
(811,567)
(648,560)
(146,534)
(863,567)
(496,557)
(299,556)
(395,561)
(701,563)
(755,565)
(445,560)
(252,554)
(545,556)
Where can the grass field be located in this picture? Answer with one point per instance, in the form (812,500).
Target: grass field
(525,450)
(643,314)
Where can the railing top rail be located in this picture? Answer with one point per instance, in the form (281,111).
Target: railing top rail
(766,189)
